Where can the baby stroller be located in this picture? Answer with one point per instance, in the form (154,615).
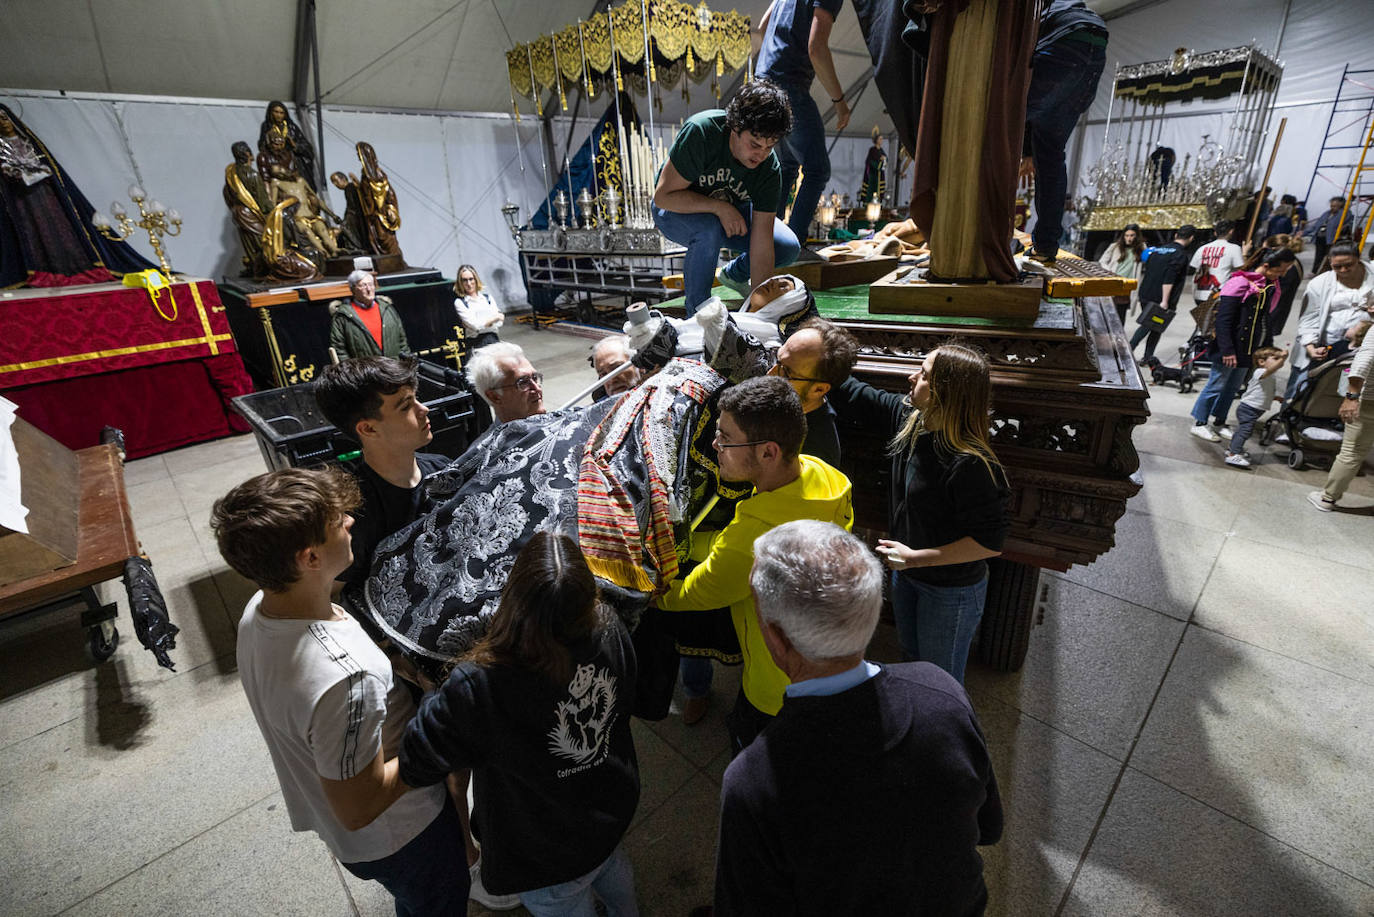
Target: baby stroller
(1192,356)
(1310,419)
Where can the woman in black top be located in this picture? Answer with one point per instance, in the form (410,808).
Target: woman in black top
(948,505)
(539,710)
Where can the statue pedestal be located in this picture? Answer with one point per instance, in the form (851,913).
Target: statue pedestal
(828,275)
(905,293)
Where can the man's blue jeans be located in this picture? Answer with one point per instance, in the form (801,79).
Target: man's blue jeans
(1216,396)
(429,875)
(613,882)
(803,149)
(704,237)
(937,623)
(1063,84)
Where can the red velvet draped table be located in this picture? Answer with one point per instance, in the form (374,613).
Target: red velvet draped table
(78,359)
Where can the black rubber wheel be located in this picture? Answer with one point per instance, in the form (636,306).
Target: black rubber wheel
(1296,460)
(98,647)
(1008,614)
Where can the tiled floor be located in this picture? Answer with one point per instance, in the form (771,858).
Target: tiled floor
(1191,733)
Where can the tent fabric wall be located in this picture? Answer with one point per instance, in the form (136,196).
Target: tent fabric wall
(451,173)
(1319,39)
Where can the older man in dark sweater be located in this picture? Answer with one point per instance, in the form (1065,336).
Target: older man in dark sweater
(871,789)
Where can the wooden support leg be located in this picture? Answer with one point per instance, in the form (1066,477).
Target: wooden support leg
(1008,614)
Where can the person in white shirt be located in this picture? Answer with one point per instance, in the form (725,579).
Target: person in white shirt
(1357,413)
(324,695)
(1219,257)
(1334,302)
(477,311)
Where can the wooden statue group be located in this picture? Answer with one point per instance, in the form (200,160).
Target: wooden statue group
(287,229)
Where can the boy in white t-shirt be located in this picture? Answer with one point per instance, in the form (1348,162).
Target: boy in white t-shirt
(1259,395)
(324,696)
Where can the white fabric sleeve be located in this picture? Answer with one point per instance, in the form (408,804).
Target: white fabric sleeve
(464,315)
(1363,365)
(1310,325)
(346,726)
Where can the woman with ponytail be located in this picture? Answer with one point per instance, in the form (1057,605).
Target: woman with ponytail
(948,501)
(1242,327)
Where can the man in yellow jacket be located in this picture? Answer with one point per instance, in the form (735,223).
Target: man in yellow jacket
(758,440)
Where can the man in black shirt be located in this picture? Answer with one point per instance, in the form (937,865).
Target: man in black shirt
(815,358)
(1161,283)
(887,763)
(373,399)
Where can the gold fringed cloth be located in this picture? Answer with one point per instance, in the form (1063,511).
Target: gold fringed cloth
(682,38)
(968,145)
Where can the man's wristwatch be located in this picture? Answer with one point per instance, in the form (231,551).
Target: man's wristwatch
(1354,396)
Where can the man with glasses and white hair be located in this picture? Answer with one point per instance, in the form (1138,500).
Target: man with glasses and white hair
(886,763)
(502,375)
(367,325)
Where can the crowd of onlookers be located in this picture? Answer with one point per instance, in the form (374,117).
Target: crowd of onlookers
(1243,293)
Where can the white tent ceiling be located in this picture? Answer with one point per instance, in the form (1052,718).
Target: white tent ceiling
(426,55)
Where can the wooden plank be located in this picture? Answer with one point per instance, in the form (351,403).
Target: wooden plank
(906,295)
(105,535)
(827,275)
(49,489)
(1072,277)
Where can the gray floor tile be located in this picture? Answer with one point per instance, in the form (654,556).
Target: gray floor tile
(1183,492)
(145,470)
(200,487)
(674,850)
(1303,607)
(154,502)
(1277,513)
(1162,854)
(1271,741)
(134,778)
(216,452)
(1092,669)
(1053,788)
(1158,563)
(663,770)
(251,863)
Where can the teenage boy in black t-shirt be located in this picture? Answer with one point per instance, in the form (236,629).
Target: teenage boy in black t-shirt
(373,399)
(1161,284)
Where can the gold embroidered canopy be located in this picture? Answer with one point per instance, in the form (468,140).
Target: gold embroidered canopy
(609,48)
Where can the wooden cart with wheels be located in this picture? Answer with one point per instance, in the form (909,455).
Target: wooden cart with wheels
(106,546)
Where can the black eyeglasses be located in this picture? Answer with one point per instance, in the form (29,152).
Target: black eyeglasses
(524,383)
(753,442)
(786,373)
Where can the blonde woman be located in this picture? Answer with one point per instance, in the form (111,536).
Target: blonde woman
(479,314)
(948,500)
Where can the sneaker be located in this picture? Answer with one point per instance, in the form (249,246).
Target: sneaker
(1318,499)
(1045,258)
(1281,439)
(808,255)
(739,286)
(1237,460)
(479,893)
(1223,431)
(1205,431)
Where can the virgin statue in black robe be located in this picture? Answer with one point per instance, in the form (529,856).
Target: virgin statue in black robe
(46,236)
(278,122)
